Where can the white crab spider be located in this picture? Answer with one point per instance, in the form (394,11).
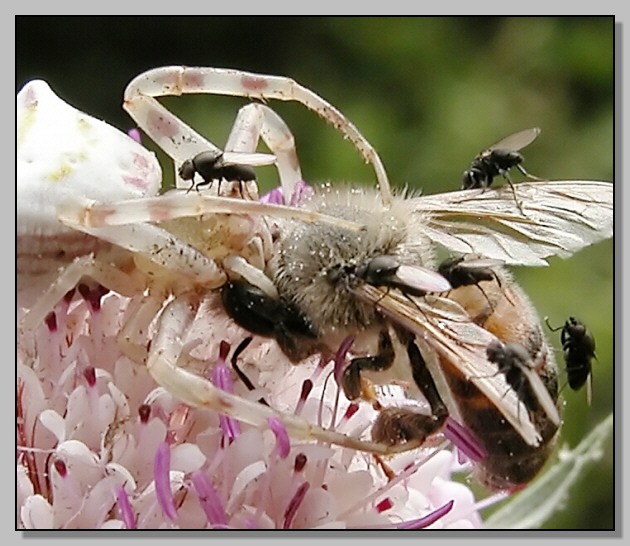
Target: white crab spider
(177,259)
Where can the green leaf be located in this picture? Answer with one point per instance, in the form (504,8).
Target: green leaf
(537,503)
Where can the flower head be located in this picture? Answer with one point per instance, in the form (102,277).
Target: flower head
(101,446)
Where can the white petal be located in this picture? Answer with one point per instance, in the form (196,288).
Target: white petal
(98,503)
(24,484)
(122,404)
(464,506)
(54,422)
(107,411)
(350,487)
(122,475)
(243,479)
(78,410)
(317,508)
(187,458)
(113,524)
(77,452)
(36,513)
(100,372)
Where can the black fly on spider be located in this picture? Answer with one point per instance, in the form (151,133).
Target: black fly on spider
(211,166)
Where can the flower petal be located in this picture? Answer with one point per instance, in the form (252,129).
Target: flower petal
(187,458)
(37,513)
(53,422)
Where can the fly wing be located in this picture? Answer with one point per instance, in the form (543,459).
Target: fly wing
(558,218)
(460,342)
(253,159)
(516,141)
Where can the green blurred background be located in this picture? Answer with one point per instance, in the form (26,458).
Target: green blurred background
(428,93)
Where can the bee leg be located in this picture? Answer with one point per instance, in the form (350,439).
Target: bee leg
(400,425)
(486,296)
(351,380)
(240,373)
(424,380)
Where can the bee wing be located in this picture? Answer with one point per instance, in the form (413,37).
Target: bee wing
(475,261)
(542,394)
(254,159)
(559,218)
(462,344)
(516,141)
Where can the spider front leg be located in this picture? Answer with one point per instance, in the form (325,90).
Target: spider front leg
(179,80)
(166,351)
(107,275)
(256,121)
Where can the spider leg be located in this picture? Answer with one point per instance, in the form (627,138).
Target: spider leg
(150,241)
(82,214)
(179,80)
(166,349)
(256,121)
(109,276)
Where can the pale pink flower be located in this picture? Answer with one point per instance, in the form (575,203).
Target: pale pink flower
(102,446)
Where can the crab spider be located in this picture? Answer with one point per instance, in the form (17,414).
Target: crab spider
(173,249)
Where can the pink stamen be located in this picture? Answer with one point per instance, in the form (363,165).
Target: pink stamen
(301,193)
(124,508)
(51,321)
(427,520)
(275,197)
(283,445)
(144,412)
(209,499)
(222,378)
(161,470)
(300,462)
(90,376)
(92,296)
(134,134)
(69,295)
(294,504)
(307,387)
(463,439)
(60,467)
(384,505)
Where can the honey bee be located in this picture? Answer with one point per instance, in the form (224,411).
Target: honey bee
(424,326)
